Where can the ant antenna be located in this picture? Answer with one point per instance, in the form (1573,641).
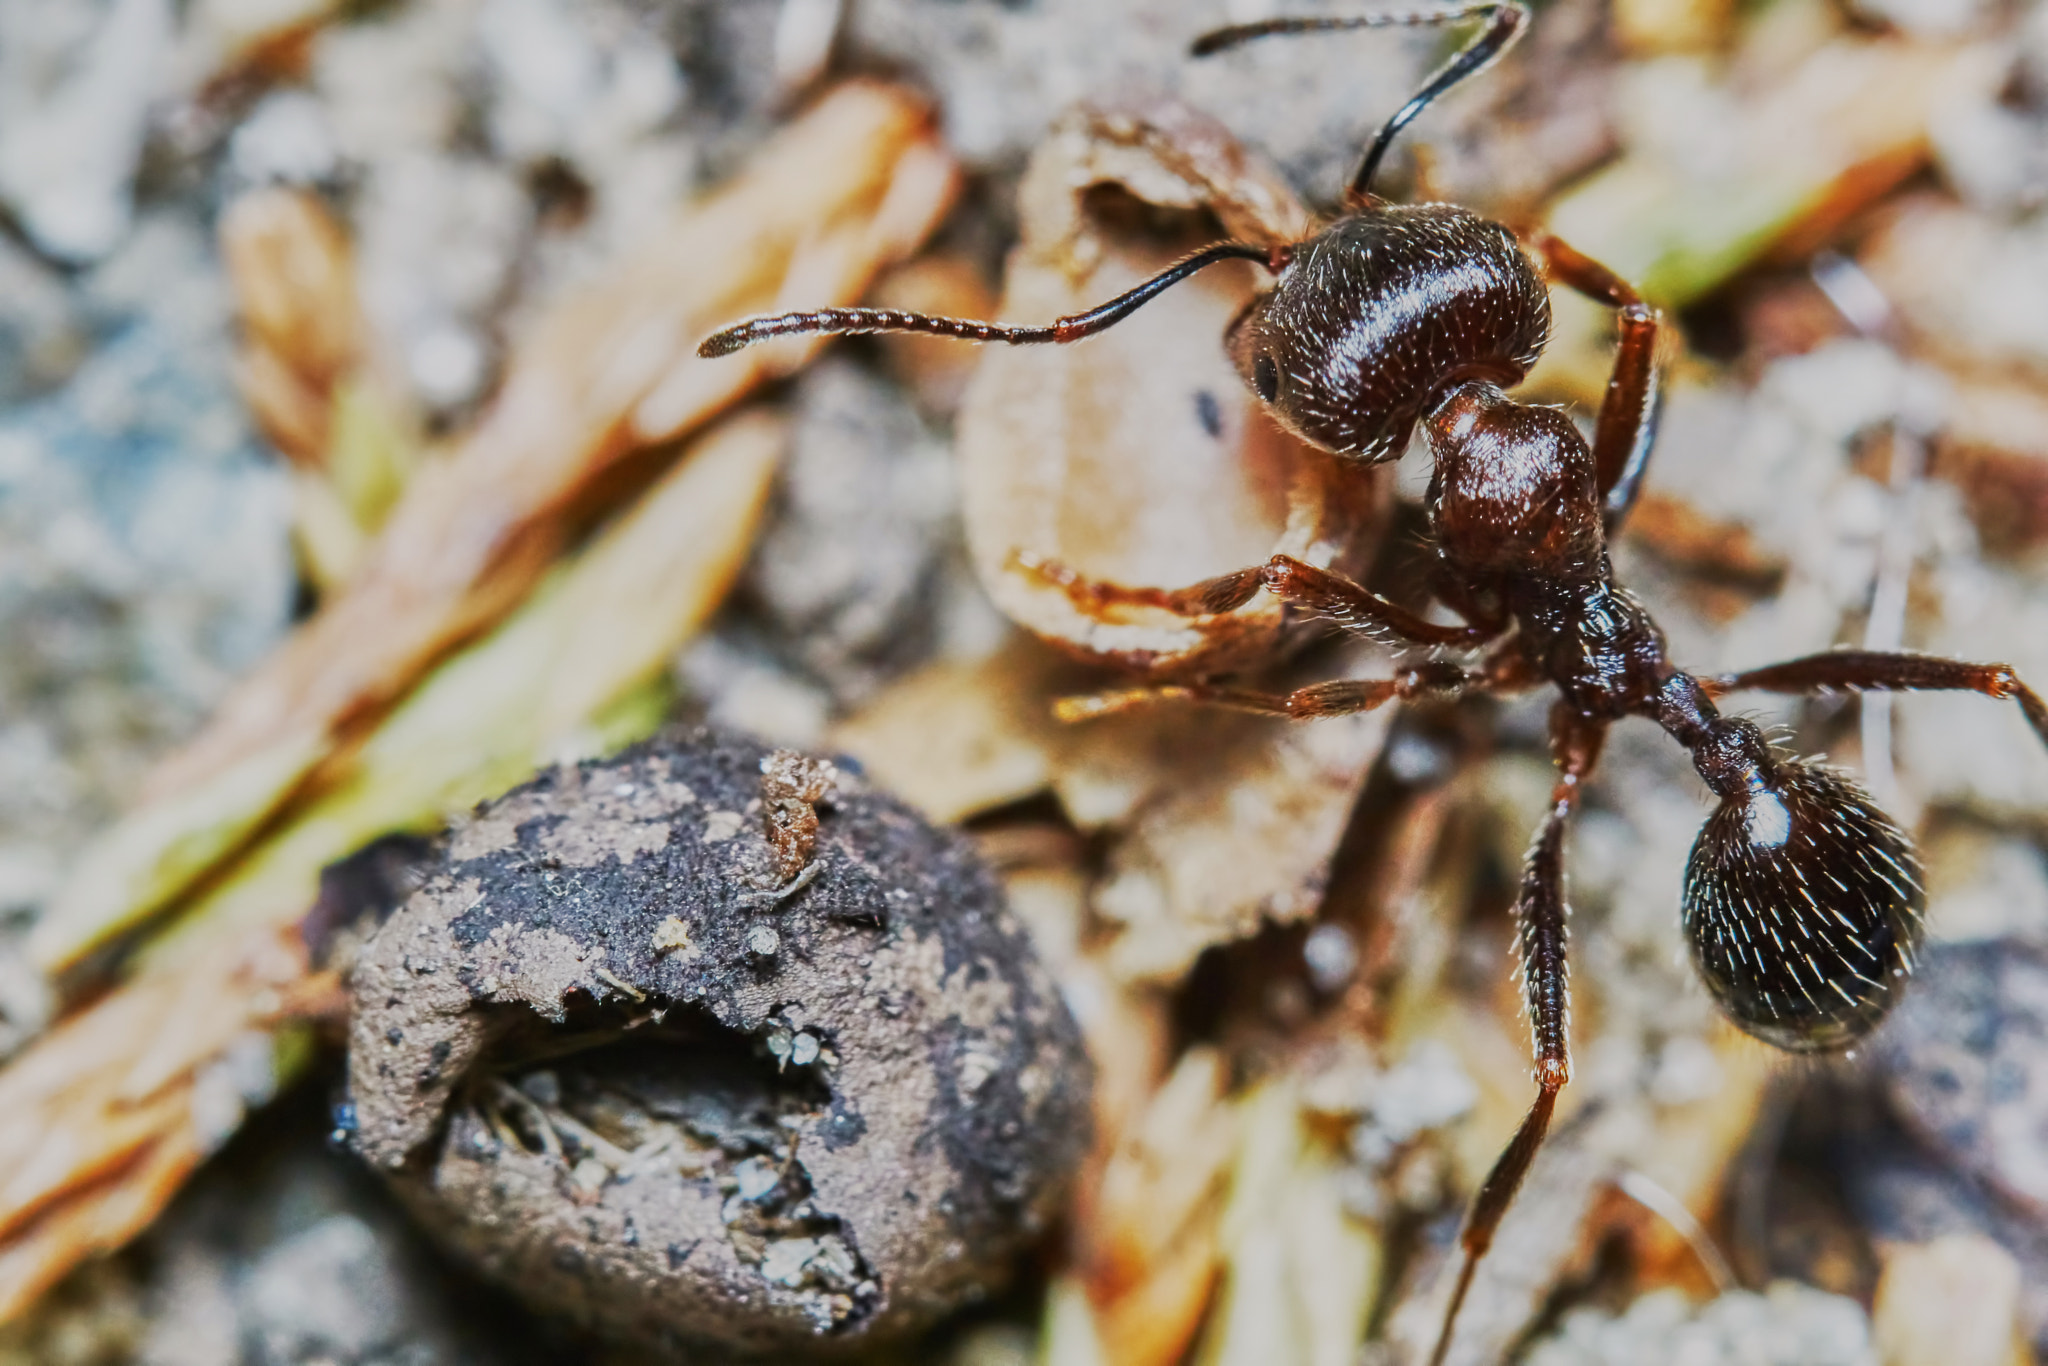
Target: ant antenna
(1510,17)
(1073,327)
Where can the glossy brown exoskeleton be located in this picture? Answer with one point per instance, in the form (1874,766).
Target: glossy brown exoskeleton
(1802,901)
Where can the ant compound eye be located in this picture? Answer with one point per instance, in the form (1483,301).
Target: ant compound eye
(1266,377)
(1803,907)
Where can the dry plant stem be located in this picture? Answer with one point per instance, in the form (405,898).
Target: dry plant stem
(849,188)
(1149,1250)
(294,282)
(304,369)
(549,682)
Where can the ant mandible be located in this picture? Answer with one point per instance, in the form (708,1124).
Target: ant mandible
(1802,900)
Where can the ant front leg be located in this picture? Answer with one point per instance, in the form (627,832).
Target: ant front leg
(1879,671)
(1540,925)
(1627,426)
(1210,597)
(1340,697)
(1296,582)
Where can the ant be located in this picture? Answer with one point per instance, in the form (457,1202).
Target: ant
(1802,901)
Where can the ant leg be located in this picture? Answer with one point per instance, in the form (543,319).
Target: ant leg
(1341,697)
(1323,591)
(1540,921)
(1627,426)
(1224,593)
(1357,608)
(1879,671)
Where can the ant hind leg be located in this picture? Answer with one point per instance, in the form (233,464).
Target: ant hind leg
(1540,920)
(1883,671)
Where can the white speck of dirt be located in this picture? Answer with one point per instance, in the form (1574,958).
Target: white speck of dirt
(672,934)
(1331,956)
(788,1259)
(1426,1091)
(721,826)
(286,139)
(243,1076)
(756,1177)
(1687,1070)
(446,361)
(763,941)
(975,1070)
(803,1049)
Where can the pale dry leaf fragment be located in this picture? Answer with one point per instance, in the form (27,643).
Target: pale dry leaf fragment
(670,935)
(102,1118)
(1150,1244)
(1070,1336)
(219,37)
(1690,1151)
(305,372)
(290,266)
(1954,1301)
(1218,822)
(1966,285)
(859,180)
(1139,456)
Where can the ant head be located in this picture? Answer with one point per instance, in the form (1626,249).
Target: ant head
(1803,906)
(1374,317)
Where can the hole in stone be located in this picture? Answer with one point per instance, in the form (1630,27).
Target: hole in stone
(643,1093)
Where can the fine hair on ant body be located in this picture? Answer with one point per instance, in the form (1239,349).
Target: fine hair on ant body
(1802,901)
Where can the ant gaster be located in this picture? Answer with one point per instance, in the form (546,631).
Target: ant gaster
(1802,901)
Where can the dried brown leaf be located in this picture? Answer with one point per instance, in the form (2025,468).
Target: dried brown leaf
(1139,456)
(1218,821)
(290,266)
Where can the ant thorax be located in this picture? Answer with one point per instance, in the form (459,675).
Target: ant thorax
(1372,318)
(1514,490)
